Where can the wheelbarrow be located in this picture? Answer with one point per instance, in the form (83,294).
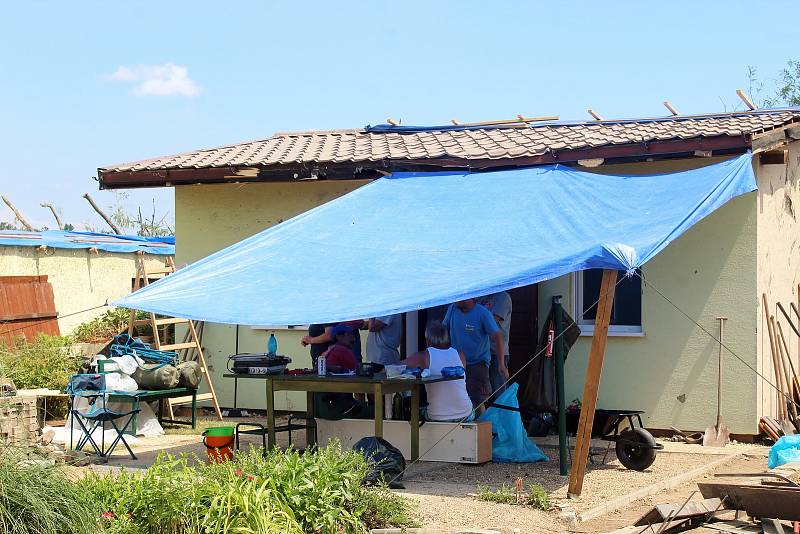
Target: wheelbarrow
(635,447)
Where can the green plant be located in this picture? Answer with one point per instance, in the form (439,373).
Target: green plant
(281,492)
(503,495)
(44,362)
(108,325)
(537,497)
(40,499)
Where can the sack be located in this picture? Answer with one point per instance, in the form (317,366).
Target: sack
(510,443)
(385,460)
(189,375)
(157,376)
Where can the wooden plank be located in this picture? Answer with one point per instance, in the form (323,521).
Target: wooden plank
(757,501)
(171,320)
(769,141)
(23,316)
(660,512)
(592,383)
(187,399)
(179,346)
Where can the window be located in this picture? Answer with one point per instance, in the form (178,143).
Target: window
(626,314)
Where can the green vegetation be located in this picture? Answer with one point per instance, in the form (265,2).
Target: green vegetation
(108,325)
(44,362)
(41,500)
(281,492)
(535,497)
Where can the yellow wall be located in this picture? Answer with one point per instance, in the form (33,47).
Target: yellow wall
(80,279)
(778,209)
(211,217)
(671,371)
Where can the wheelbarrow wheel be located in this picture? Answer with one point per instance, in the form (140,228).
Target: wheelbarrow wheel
(636,449)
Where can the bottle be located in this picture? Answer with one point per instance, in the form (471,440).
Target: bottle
(397,407)
(272,345)
(321,370)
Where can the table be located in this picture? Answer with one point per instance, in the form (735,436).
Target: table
(147,395)
(377,385)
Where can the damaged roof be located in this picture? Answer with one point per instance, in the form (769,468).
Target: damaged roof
(370,151)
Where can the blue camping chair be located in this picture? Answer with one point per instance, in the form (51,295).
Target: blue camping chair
(93,388)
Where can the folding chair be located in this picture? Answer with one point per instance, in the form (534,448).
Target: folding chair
(92,388)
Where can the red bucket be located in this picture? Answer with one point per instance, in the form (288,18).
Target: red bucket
(218,448)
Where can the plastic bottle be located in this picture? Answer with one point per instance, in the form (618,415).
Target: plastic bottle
(272,345)
(321,369)
(397,407)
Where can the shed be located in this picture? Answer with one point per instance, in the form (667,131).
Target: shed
(81,271)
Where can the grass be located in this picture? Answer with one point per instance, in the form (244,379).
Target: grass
(109,324)
(40,499)
(535,497)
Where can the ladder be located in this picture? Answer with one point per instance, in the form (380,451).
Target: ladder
(191,339)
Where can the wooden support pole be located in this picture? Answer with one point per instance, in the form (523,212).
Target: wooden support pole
(592,384)
(21,218)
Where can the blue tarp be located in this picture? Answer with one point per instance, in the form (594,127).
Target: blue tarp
(73,240)
(510,442)
(416,240)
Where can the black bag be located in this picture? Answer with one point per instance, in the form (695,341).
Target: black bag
(385,460)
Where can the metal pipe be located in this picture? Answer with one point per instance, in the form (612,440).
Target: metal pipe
(558,349)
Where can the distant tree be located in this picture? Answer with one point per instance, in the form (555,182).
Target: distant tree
(788,86)
(135,223)
(785,89)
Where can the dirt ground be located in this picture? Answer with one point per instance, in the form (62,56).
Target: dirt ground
(445,493)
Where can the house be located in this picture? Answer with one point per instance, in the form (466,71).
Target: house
(80,270)
(658,359)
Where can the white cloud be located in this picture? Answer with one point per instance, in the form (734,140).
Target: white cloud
(157,80)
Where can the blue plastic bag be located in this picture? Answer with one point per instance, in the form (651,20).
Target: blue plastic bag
(511,443)
(787,449)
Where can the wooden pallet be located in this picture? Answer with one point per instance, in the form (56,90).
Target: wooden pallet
(188,349)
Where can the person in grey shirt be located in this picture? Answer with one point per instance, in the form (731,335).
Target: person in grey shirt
(383,342)
(500,306)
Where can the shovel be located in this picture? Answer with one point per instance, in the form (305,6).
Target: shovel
(718,435)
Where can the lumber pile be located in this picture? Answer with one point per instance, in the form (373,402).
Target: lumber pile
(740,503)
(785,378)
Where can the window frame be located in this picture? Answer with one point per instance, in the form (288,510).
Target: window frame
(587,328)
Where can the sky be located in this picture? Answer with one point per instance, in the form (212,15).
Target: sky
(87,84)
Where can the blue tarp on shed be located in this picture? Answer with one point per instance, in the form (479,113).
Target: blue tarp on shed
(72,240)
(415,240)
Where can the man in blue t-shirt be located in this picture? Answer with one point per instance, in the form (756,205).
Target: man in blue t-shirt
(472,328)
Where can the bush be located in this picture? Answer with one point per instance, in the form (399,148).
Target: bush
(108,325)
(536,496)
(41,500)
(44,362)
(319,491)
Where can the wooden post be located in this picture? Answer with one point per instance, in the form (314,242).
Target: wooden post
(592,383)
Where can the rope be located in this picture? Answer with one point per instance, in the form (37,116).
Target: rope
(712,336)
(508,381)
(51,319)
(126,345)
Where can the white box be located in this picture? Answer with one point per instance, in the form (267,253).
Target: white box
(467,443)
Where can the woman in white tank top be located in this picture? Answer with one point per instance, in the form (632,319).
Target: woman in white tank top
(448,400)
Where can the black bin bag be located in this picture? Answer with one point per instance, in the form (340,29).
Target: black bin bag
(385,460)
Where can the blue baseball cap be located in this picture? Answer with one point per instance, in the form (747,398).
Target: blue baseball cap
(341,328)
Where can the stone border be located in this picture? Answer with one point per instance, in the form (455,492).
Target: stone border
(652,489)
